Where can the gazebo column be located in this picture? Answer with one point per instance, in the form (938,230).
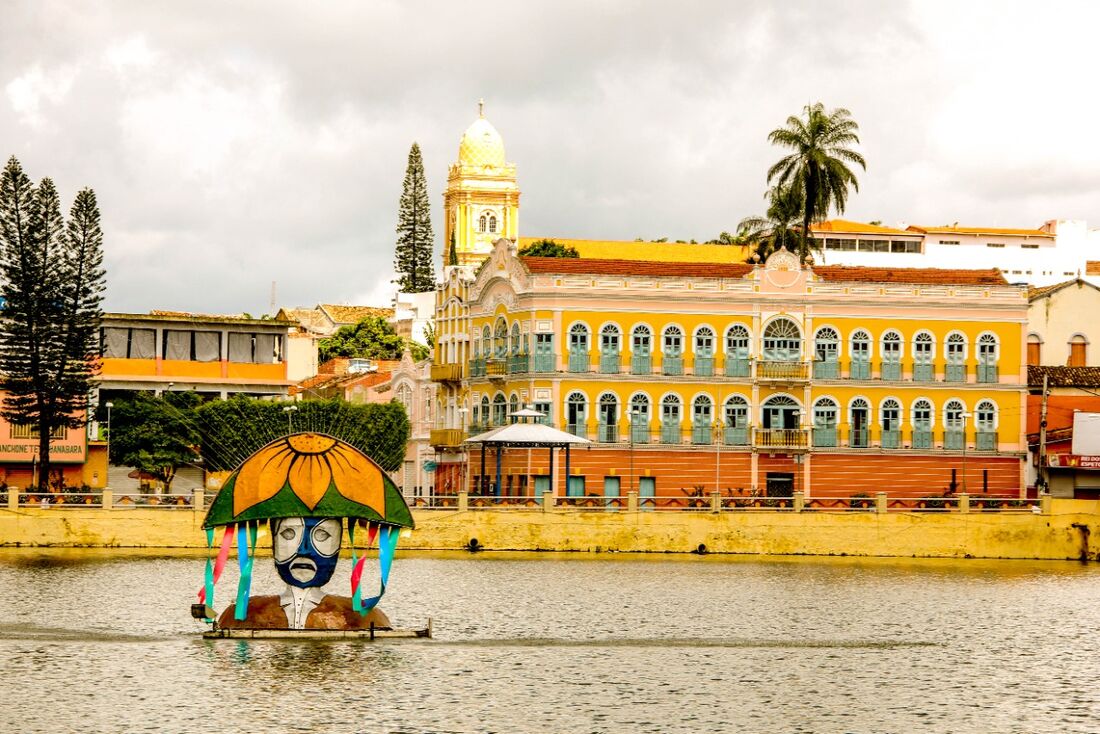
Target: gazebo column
(499,490)
(551,450)
(566,470)
(481,477)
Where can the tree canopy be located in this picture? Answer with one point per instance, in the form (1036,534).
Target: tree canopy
(156,435)
(371,338)
(548,248)
(816,171)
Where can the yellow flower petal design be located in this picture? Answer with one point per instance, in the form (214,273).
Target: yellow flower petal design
(311,443)
(261,476)
(309,478)
(357,478)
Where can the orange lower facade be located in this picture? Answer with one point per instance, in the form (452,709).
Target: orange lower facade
(678,473)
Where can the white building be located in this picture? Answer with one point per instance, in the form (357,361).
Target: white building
(1061,324)
(1053,253)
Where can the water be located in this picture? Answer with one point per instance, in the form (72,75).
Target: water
(101,641)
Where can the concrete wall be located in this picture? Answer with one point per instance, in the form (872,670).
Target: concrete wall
(1062,533)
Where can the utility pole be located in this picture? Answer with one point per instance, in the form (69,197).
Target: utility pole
(1042,482)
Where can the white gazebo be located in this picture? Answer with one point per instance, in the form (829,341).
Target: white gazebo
(524,433)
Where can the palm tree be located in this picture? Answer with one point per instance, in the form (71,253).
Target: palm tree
(777,228)
(817,169)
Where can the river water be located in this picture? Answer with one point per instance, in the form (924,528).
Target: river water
(101,641)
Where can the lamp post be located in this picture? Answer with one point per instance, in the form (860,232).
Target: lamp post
(288,410)
(631,413)
(964,416)
(108,405)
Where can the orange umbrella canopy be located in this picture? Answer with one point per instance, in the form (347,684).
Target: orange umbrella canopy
(308,475)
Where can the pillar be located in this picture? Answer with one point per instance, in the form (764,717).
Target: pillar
(198,500)
(1044,503)
(632,501)
(964,503)
(715,501)
(463,501)
(107,499)
(799,501)
(547,501)
(880,502)
(13,498)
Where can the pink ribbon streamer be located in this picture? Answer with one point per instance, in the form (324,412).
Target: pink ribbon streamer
(219,564)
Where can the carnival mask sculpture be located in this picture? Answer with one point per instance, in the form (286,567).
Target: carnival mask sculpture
(306,549)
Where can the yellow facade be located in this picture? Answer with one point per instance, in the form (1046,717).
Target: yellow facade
(655,251)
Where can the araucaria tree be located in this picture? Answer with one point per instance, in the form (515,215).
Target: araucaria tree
(413,258)
(816,171)
(52,285)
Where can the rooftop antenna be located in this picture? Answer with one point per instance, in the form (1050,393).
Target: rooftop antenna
(273,284)
(481,107)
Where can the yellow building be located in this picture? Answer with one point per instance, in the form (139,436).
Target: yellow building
(692,371)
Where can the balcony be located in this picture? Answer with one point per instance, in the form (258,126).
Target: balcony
(641,364)
(519,364)
(955,373)
(953,440)
(672,365)
(543,363)
(859,438)
(639,433)
(446,437)
(735,436)
(891,370)
(891,439)
(609,363)
(825,437)
(859,370)
(780,438)
(827,370)
(477,367)
(923,372)
(782,371)
(607,433)
(670,433)
(701,434)
(988,373)
(922,438)
(737,367)
(446,372)
(704,367)
(577,429)
(578,361)
(496,367)
(985,441)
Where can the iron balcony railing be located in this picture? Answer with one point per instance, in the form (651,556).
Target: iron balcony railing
(891,439)
(891,370)
(543,363)
(738,367)
(859,370)
(639,433)
(953,440)
(704,366)
(924,372)
(922,438)
(988,373)
(985,441)
(578,361)
(827,370)
(641,364)
(672,365)
(607,433)
(702,434)
(858,438)
(671,434)
(735,436)
(518,364)
(785,370)
(579,430)
(477,367)
(496,367)
(825,436)
(781,438)
(609,363)
(955,373)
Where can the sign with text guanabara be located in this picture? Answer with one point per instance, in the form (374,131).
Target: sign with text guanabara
(19,445)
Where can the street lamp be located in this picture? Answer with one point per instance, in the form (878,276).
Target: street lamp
(964,416)
(108,405)
(288,410)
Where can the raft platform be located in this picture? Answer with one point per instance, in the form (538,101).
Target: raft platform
(222,633)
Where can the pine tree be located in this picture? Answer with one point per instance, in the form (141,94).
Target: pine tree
(52,285)
(413,257)
(453,253)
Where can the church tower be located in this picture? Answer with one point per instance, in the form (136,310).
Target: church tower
(481,203)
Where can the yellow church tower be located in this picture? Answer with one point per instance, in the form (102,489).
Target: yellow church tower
(481,203)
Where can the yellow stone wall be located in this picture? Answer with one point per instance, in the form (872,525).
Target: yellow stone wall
(1022,535)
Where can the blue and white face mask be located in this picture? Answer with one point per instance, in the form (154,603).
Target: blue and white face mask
(306,549)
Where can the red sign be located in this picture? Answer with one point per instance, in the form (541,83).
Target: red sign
(1073,461)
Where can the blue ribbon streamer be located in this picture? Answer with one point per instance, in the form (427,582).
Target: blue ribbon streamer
(208,580)
(387,545)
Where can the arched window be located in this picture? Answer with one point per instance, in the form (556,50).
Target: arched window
(825,421)
(500,344)
(736,432)
(1034,349)
(1077,351)
(578,348)
(639,418)
(988,353)
(859,421)
(955,356)
(609,349)
(737,351)
(780,412)
(404,396)
(782,341)
(484,419)
(513,406)
(500,410)
(492,224)
(860,350)
(924,351)
(515,338)
(481,223)
(672,345)
(670,419)
(891,356)
(826,350)
(704,352)
(890,415)
(923,415)
(985,425)
(576,413)
(641,345)
(954,423)
(608,417)
(702,416)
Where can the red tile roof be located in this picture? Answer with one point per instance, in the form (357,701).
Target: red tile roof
(838,273)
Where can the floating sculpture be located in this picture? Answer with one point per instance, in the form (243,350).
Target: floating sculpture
(305,485)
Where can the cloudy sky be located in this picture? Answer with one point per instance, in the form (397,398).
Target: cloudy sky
(236,144)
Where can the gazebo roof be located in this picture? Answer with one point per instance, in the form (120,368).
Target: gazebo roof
(529,435)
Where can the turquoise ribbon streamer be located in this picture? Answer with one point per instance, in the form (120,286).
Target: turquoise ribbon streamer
(356,597)
(208,581)
(387,545)
(245,532)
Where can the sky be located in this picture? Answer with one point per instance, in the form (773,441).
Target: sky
(233,145)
